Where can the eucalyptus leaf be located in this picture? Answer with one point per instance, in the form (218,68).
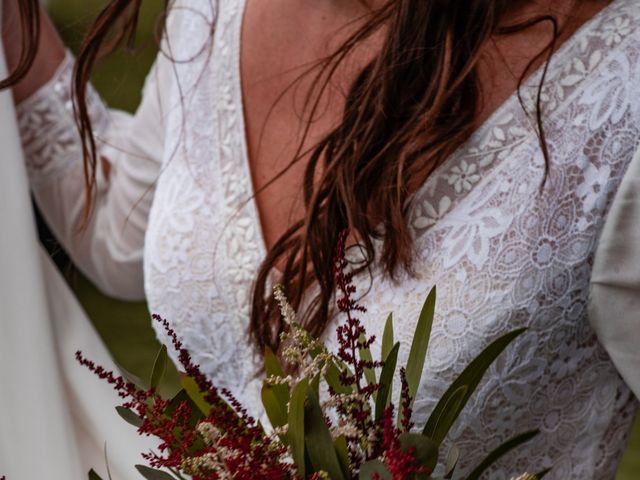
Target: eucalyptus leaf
(373,467)
(387,337)
(296,425)
(452,461)
(469,378)
(386,381)
(426,451)
(129,416)
(318,441)
(153,474)
(499,452)
(159,367)
(191,388)
(93,475)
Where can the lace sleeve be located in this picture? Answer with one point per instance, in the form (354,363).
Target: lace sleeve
(109,249)
(614,303)
(49,137)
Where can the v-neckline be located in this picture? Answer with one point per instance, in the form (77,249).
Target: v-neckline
(479,131)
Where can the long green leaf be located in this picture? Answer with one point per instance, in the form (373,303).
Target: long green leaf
(426,452)
(542,474)
(159,367)
(387,337)
(386,381)
(332,378)
(191,388)
(448,415)
(93,475)
(129,416)
(499,452)
(318,441)
(452,462)
(275,409)
(418,352)
(342,450)
(371,468)
(153,474)
(469,378)
(296,425)
(365,354)
(274,369)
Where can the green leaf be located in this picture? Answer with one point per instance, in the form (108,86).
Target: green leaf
(454,403)
(365,354)
(387,337)
(180,397)
(191,388)
(296,425)
(275,409)
(93,475)
(426,453)
(469,378)
(272,365)
(386,381)
(274,369)
(318,441)
(418,352)
(131,378)
(372,467)
(452,461)
(499,452)
(129,416)
(332,378)
(153,474)
(159,367)
(542,474)
(342,451)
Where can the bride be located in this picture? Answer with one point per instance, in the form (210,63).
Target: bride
(479,146)
(57,419)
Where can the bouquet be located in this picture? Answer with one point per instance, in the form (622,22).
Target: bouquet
(332,414)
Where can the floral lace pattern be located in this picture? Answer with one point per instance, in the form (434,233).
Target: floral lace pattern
(503,253)
(50,110)
(504,249)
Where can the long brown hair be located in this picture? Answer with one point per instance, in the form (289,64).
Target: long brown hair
(30,27)
(408,110)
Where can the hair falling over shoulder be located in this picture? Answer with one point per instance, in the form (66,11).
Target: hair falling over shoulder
(30,28)
(408,110)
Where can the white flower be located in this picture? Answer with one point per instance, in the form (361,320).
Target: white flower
(428,215)
(463,176)
(614,32)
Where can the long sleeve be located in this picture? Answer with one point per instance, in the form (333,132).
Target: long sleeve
(614,306)
(109,250)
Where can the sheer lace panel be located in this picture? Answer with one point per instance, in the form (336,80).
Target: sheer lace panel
(47,127)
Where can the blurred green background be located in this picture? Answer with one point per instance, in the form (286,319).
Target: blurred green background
(126,327)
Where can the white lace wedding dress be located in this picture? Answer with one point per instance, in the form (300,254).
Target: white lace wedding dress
(177,212)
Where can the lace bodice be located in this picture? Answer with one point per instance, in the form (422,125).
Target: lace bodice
(502,252)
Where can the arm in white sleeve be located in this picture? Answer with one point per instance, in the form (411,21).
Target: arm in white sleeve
(614,306)
(109,250)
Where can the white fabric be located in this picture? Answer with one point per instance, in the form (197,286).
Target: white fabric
(503,253)
(615,282)
(55,416)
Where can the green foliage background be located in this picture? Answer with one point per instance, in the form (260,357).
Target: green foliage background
(125,327)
